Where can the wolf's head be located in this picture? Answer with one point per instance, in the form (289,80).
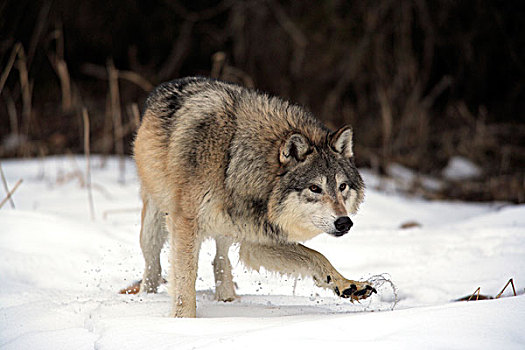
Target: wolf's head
(319,186)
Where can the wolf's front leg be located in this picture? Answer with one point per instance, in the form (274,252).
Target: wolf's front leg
(222,270)
(298,260)
(184,258)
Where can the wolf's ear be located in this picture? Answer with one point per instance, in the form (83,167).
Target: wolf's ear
(341,141)
(296,147)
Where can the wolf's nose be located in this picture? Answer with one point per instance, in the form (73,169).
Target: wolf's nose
(343,223)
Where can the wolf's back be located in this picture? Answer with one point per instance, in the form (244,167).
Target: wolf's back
(199,127)
(168,97)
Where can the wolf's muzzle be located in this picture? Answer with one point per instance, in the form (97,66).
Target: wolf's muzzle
(342,225)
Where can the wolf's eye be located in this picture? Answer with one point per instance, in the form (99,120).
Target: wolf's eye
(342,187)
(315,189)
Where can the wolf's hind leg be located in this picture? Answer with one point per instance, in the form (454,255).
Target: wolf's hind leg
(222,270)
(152,237)
(298,260)
(185,245)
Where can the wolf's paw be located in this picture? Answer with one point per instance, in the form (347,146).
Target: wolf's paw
(225,290)
(354,290)
(225,294)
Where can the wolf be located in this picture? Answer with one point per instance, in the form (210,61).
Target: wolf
(219,160)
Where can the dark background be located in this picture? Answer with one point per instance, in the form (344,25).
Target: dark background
(420,81)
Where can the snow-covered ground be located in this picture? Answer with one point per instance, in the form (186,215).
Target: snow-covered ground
(60,273)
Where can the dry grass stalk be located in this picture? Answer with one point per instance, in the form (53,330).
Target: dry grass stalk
(6,188)
(60,67)
(10,194)
(41,23)
(127,129)
(218,60)
(179,51)
(349,68)
(26,88)
(135,114)
(387,121)
(299,39)
(476,291)
(65,84)
(85,118)
(203,15)
(222,70)
(11,111)
(137,79)
(288,24)
(107,139)
(9,65)
(511,282)
(102,73)
(114,95)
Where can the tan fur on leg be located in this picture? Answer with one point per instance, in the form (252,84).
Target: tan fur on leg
(184,259)
(298,260)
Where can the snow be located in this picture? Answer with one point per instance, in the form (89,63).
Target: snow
(60,273)
(461,168)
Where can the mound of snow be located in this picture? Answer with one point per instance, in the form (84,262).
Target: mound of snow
(461,168)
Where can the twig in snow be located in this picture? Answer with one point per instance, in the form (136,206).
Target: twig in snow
(4,182)
(511,282)
(487,297)
(476,291)
(10,194)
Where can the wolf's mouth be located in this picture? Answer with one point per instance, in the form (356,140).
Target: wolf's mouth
(339,233)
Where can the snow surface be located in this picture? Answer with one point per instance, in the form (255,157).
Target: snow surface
(60,273)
